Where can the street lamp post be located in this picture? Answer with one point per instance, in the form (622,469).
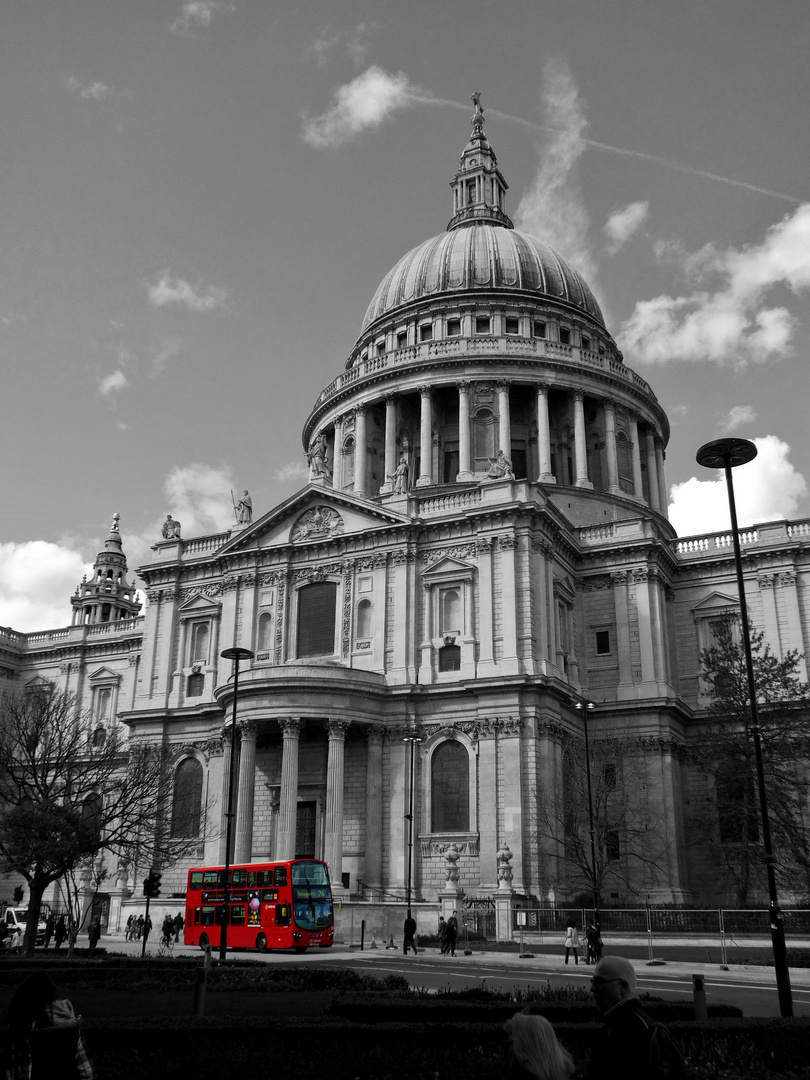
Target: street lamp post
(585,707)
(236,654)
(726,454)
(413,739)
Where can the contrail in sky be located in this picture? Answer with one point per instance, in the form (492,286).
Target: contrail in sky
(668,163)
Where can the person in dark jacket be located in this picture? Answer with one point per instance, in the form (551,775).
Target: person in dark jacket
(409,930)
(60,933)
(452,933)
(45,1037)
(50,926)
(622,1050)
(94,933)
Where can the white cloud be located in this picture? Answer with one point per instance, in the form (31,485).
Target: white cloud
(169,290)
(113,384)
(166,349)
(95,91)
(293,470)
(766,489)
(730,322)
(552,208)
(622,224)
(738,417)
(324,44)
(199,497)
(362,105)
(199,14)
(37,579)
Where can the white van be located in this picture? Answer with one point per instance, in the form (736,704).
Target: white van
(15,919)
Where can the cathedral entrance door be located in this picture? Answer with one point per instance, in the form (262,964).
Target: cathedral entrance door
(305,831)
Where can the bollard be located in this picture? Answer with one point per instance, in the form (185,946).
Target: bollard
(699,995)
(373,944)
(199,992)
(362,934)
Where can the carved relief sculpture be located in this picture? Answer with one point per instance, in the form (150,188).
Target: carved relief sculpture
(318,523)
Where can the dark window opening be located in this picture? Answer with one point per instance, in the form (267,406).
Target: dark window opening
(194,686)
(609,776)
(612,847)
(450,789)
(454,327)
(482,324)
(602,642)
(586,342)
(565,336)
(426,332)
(519,462)
(317,606)
(512,325)
(450,469)
(187,799)
(539,329)
(305,831)
(450,658)
(402,339)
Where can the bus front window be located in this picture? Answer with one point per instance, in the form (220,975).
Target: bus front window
(312,897)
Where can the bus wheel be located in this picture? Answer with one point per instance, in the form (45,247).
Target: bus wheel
(300,949)
(203,941)
(261,943)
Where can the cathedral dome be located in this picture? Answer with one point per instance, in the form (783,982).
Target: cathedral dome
(479,255)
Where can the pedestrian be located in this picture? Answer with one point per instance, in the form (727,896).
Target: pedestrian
(452,933)
(50,926)
(409,930)
(139,930)
(442,935)
(128,931)
(167,930)
(572,941)
(45,1040)
(178,926)
(147,926)
(593,943)
(94,933)
(60,933)
(534,1052)
(631,1044)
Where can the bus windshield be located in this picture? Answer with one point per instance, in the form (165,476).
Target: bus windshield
(311,895)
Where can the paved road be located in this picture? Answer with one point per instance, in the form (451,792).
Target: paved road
(752,989)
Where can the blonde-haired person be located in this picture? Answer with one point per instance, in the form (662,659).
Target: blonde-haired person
(534,1050)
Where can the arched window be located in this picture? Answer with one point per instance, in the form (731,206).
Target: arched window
(484,429)
(317,608)
(625,459)
(348,464)
(264,638)
(199,643)
(99,737)
(91,818)
(450,788)
(187,800)
(451,612)
(363,632)
(103,705)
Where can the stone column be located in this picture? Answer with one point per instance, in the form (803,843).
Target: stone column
(360,450)
(793,637)
(610,447)
(652,471)
(504,422)
(390,440)
(333,846)
(244,808)
(580,449)
(545,475)
(621,607)
(645,625)
(486,643)
(464,457)
(663,500)
(288,802)
(372,873)
(227,747)
(425,439)
(337,455)
(635,448)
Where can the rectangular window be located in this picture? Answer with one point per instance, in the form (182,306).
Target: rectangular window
(586,342)
(612,848)
(602,642)
(565,336)
(539,329)
(426,332)
(482,324)
(512,325)
(454,327)
(402,339)
(317,608)
(380,348)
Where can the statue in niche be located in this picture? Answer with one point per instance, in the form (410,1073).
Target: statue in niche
(500,468)
(319,523)
(244,509)
(400,477)
(316,456)
(170,529)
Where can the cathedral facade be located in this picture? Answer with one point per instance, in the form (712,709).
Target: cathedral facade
(481,561)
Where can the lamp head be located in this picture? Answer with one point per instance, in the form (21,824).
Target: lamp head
(715,454)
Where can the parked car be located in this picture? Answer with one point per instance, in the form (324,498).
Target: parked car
(15,920)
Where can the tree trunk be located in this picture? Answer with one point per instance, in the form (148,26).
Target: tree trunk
(36,888)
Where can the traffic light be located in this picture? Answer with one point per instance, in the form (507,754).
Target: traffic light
(151,884)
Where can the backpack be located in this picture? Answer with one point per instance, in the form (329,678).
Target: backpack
(665,1060)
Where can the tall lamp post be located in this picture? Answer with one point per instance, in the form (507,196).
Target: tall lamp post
(236,654)
(585,707)
(413,739)
(726,454)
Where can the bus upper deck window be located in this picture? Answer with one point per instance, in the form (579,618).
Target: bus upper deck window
(280,875)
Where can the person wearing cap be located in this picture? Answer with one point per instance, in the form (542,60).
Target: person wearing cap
(622,1050)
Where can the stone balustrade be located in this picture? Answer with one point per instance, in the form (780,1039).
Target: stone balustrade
(756,536)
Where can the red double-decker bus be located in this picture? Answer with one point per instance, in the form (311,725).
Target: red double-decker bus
(274,905)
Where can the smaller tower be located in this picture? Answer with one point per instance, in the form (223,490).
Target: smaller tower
(108,596)
(479,188)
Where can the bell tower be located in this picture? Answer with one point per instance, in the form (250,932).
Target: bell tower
(108,596)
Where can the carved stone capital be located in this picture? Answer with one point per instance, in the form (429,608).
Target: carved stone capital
(248,729)
(291,726)
(337,728)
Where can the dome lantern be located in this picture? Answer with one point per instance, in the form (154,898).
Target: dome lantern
(479,189)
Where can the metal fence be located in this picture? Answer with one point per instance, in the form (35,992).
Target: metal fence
(674,921)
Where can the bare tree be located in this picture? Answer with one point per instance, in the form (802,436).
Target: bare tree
(629,837)
(727,820)
(67,795)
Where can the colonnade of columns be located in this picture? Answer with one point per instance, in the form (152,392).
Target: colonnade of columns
(645,444)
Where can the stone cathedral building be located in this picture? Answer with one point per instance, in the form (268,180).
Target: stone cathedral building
(482,546)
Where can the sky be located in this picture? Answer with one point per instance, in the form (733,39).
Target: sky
(200,197)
